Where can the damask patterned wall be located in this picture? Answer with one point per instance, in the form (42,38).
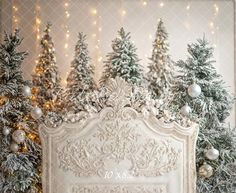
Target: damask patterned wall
(100,19)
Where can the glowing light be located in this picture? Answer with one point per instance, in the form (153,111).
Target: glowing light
(95,23)
(211,24)
(100,59)
(144,3)
(123,12)
(216,8)
(213,32)
(67,36)
(38,21)
(150,36)
(66,4)
(100,29)
(188,7)
(94,11)
(38,37)
(161,4)
(15,8)
(94,35)
(66,46)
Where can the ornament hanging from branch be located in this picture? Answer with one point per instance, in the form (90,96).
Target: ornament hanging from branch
(36,113)
(206,171)
(212,154)
(185,110)
(194,90)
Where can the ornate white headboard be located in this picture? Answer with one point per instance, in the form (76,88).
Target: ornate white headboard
(119,151)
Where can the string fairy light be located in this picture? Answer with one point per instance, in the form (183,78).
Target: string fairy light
(37,24)
(144,3)
(67,34)
(161,4)
(15,18)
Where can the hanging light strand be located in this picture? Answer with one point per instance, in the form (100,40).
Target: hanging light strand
(38,23)
(67,31)
(15,18)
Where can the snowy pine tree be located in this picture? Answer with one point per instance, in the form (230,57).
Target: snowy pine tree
(123,60)
(46,79)
(210,108)
(160,73)
(20,152)
(79,81)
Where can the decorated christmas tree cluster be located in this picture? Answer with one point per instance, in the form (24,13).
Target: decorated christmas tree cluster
(191,90)
(199,94)
(20,151)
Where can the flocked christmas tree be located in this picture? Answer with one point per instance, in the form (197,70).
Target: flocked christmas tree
(46,80)
(79,81)
(20,153)
(123,60)
(200,94)
(160,74)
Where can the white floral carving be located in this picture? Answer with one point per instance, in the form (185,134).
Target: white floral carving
(134,188)
(118,141)
(118,91)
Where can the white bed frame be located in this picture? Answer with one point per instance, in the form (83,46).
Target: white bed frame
(119,151)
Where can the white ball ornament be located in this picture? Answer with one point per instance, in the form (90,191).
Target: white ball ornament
(18,136)
(27,91)
(36,113)
(5,131)
(194,90)
(185,110)
(212,154)
(14,147)
(205,170)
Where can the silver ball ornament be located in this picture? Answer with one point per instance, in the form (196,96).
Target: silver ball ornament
(185,110)
(36,113)
(18,136)
(5,131)
(212,154)
(194,90)
(27,91)
(14,147)
(205,170)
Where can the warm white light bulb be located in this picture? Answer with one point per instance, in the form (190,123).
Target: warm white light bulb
(94,11)
(161,4)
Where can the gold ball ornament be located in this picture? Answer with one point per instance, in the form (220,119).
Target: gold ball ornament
(205,171)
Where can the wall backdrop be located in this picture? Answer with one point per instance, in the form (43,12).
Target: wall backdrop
(100,19)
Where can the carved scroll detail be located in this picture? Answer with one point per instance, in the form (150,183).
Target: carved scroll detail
(118,141)
(134,188)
